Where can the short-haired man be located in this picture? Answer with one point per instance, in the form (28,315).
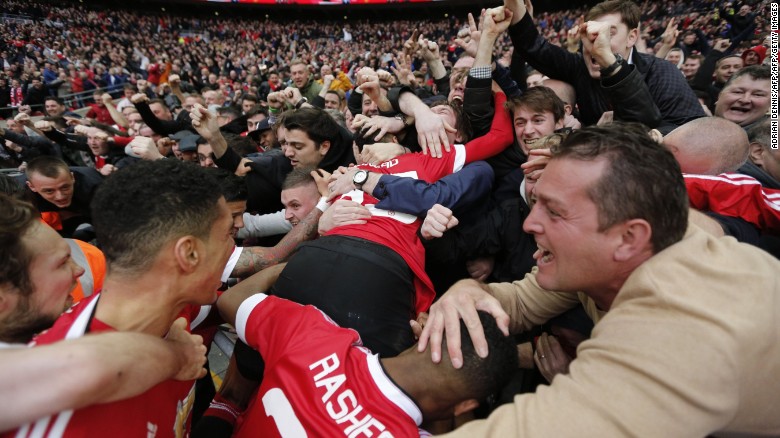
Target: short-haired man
(54,107)
(36,274)
(610,72)
(64,192)
(214,98)
(616,241)
(720,64)
(299,195)
(745,98)
(303,81)
(166,232)
(334,100)
(248,103)
(302,195)
(691,66)
(311,133)
(329,384)
(536,113)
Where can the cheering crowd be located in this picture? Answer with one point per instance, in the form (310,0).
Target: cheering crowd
(511,223)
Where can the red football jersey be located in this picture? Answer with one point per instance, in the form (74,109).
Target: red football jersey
(319,379)
(735,195)
(162,411)
(398,231)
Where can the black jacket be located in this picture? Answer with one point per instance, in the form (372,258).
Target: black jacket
(651,91)
(264,182)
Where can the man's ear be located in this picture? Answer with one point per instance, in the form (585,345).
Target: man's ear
(567,109)
(465,406)
(324,147)
(633,36)
(187,251)
(31,187)
(8,299)
(458,139)
(635,238)
(755,151)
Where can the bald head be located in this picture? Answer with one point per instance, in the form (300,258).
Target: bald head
(708,146)
(564,91)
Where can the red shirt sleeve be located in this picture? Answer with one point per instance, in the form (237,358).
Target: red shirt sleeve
(736,196)
(497,139)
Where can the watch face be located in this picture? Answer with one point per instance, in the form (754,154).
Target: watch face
(360,177)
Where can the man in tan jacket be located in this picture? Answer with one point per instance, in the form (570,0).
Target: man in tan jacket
(688,346)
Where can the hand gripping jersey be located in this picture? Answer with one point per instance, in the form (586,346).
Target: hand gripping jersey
(398,231)
(162,411)
(319,380)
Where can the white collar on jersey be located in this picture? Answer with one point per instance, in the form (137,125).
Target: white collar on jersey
(391,391)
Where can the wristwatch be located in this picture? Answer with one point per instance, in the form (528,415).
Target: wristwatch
(300,103)
(359,178)
(607,71)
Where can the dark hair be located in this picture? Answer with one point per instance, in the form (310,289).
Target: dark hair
(250,97)
(756,72)
(298,177)
(720,61)
(232,187)
(697,57)
(479,376)
(257,109)
(760,133)
(16,219)
(10,187)
(338,93)
(243,146)
(54,98)
(46,165)
(158,100)
(141,208)
(630,14)
(229,111)
(642,180)
(540,99)
(316,123)
(463,123)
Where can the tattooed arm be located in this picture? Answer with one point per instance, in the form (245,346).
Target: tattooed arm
(256,258)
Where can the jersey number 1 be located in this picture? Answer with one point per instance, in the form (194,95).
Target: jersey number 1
(279,408)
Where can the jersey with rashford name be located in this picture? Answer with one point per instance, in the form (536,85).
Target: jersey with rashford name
(319,380)
(161,412)
(398,231)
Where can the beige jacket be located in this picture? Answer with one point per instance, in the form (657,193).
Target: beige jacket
(690,347)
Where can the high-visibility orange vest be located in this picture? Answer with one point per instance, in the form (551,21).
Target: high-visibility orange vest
(94,263)
(53,219)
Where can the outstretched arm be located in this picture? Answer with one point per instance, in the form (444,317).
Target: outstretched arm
(101,368)
(257,258)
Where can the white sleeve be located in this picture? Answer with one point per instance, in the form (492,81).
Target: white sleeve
(231,264)
(261,225)
(244,310)
(460,157)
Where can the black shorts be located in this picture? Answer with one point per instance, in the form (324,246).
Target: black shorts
(359,284)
